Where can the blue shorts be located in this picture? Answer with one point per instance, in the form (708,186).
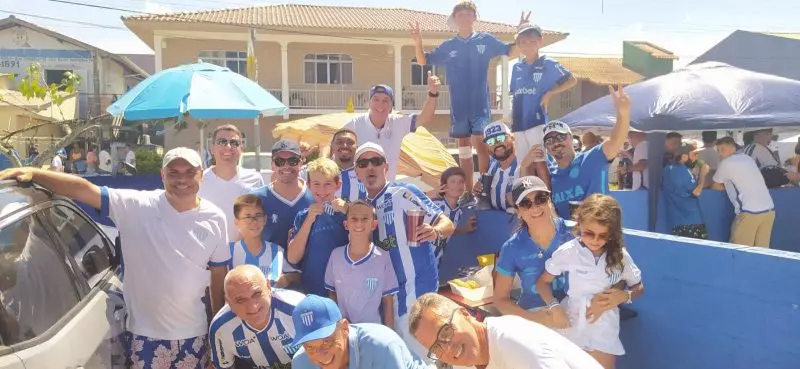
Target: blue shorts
(150,353)
(469,127)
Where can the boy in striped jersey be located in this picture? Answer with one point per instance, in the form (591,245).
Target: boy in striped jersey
(255,326)
(449,197)
(253,249)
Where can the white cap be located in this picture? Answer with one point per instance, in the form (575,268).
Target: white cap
(558,127)
(369,147)
(184,153)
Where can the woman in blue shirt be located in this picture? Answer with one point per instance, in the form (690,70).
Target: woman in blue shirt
(681,193)
(540,233)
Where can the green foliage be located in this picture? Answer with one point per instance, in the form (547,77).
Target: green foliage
(34,85)
(148,162)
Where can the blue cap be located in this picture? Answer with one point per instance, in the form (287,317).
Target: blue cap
(495,129)
(61,152)
(314,318)
(381,89)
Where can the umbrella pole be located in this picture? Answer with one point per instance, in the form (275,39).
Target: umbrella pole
(202,143)
(257,139)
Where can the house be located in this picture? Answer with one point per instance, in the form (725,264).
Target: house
(771,53)
(104,76)
(315,58)
(640,60)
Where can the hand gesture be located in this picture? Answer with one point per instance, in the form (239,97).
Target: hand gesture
(426,233)
(536,154)
(315,210)
(339,205)
(603,301)
(558,318)
(477,188)
(436,193)
(433,83)
(621,100)
(524,19)
(415,34)
(22,174)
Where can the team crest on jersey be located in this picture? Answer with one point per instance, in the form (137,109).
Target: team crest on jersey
(453,54)
(537,77)
(307,318)
(481,48)
(372,284)
(387,244)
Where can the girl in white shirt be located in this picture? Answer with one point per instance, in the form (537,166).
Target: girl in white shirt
(596,261)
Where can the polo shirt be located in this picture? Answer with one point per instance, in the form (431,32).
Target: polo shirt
(270,260)
(744,184)
(280,212)
(529,83)
(167,255)
(360,285)
(587,174)
(371,346)
(390,136)
(327,233)
(223,193)
(683,208)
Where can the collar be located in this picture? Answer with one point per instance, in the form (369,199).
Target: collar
(269,322)
(381,192)
(165,208)
(363,259)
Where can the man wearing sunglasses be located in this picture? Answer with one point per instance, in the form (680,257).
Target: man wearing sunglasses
(455,337)
(226,180)
(287,195)
(574,176)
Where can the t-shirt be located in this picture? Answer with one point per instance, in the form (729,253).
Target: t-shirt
(360,285)
(587,174)
(280,212)
(105,163)
(683,208)
(327,233)
(518,343)
(371,346)
(224,193)
(232,338)
(640,178)
(744,184)
(763,156)
(529,83)
(415,267)
(167,255)
(57,165)
(709,156)
(390,136)
(270,260)
(521,256)
(352,189)
(501,182)
(130,158)
(466,63)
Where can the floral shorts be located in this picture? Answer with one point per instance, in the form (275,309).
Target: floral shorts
(150,353)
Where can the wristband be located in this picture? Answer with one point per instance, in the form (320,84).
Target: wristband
(432,94)
(553,303)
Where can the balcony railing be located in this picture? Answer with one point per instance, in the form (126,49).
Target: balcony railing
(337,99)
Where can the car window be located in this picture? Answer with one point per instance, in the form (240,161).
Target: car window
(36,288)
(84,243)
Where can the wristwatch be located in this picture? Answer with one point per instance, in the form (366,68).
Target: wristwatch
(432,94)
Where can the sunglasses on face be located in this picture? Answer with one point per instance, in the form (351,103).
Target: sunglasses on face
(491,141)
(253,218)
(375,161)
(558,137)
(225,142)
(540,199)
(292,161)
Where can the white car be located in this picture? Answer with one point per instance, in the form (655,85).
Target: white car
(248,161)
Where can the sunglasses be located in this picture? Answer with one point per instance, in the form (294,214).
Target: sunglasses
(375,161)
(491,141)
(253,218)
(225,142)
(558,137)
(292,161)
(540,199)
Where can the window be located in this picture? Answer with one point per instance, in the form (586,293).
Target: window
(565,101)
(55,76)
(419,73)
(36,288)
(234,60)
(328,69)
(88,248)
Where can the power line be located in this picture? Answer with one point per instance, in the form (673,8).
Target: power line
(106,26)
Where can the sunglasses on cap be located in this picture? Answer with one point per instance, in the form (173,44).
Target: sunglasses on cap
(495,140)
(540,199)
(292,161)
(376,161)
(225,142)
(556,138)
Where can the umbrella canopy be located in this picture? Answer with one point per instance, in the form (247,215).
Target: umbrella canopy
(202,90)
(707,96)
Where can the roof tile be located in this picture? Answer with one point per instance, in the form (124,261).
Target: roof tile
(601,71)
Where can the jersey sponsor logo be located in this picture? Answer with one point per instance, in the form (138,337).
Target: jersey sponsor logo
(576,192)
(281,337)
(481,49)
(221,351)
(307,318)
(372,284)
(525,91)
(453,54)
(245,342)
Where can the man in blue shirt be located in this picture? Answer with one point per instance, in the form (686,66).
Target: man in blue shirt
(575,176)
(681,192)
(330,341)
(466,58)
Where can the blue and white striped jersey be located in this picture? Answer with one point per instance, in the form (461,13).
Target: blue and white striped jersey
(271,259)
(271,347)
(501,182)
(352,189)
(455,214)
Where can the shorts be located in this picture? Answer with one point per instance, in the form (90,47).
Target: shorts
(525,140)
(602,335)
(697,231)
(150,353)
(469,127)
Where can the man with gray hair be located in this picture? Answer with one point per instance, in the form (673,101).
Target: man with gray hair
(455,337)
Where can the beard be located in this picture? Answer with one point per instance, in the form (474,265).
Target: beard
(507,152)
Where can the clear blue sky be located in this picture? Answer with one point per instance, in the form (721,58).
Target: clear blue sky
(687,27)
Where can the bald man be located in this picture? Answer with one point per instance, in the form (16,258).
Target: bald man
(255,325)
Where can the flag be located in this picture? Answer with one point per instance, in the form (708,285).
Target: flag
(252,66)
(351,108)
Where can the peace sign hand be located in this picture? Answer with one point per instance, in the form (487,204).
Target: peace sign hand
(620,99)
(524,19)
(433,83)
(415,33)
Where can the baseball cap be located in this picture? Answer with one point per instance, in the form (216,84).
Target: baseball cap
(184,153)
(61,152)
(381,89)
(285,145)
(685,148)
(369,147)
(558,127)
(495,129)
(528,28)
(522,186)
(314,318)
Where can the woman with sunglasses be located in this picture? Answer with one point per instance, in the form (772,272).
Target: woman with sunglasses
(539,234)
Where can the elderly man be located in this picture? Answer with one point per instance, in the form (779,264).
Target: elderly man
(386,129)
(455,337)
(410,246)
(175,244)
(255,327)
(331,342)
(226,180)
(576,176)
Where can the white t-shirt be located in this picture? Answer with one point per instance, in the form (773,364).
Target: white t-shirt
(130,158)
(167,255)
(744,184)
(640,178)
(223,193)
(57,165)
(709,156)
(518,343)
(761,154)
(105,164)
(390,136)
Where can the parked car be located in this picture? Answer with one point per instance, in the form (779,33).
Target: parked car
(248,161)
(61,300)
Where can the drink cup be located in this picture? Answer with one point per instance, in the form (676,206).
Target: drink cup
(414,220)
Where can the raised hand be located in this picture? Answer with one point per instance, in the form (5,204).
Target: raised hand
(622,103)
(433,83)
(524,18)
(415,34)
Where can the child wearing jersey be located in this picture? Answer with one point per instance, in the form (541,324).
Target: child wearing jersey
(253,249)
(360,277)
(449,197)
(595,261)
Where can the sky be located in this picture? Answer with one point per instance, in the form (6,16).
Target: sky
(596,27)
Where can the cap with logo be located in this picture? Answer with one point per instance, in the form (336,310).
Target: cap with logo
(369,147)
(287,146)
(381,89)
(185,153)
(522,186)
(495,129)
(528,29)
(314,318)
(558,127)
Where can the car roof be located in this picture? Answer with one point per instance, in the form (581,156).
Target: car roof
(16,197)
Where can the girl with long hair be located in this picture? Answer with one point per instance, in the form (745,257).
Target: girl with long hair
(595,261)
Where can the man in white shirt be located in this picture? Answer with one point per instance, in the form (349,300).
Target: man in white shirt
(226,180)
(740,177)
(382,127)
(57,165)
(759,149)
(175,245)
(105,164)
(639,169)
(455,337)
(130,155)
